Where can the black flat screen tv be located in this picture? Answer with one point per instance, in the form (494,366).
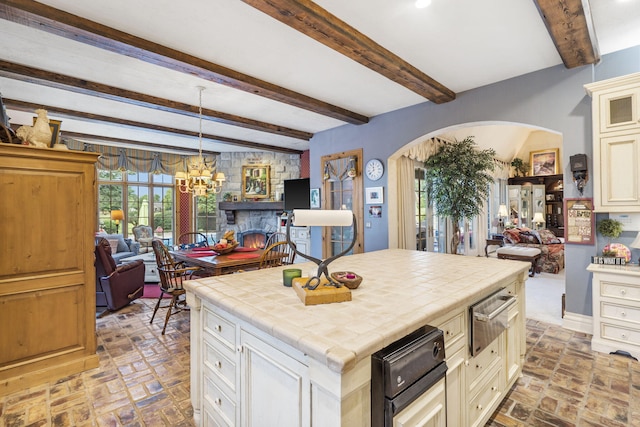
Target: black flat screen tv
(296,194)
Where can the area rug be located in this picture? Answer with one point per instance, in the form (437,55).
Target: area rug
(152,290)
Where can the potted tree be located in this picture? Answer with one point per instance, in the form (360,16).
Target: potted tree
(458,181)
(611,229)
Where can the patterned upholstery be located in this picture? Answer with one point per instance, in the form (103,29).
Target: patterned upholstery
(552,249)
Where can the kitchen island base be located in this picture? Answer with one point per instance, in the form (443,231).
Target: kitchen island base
(259,357)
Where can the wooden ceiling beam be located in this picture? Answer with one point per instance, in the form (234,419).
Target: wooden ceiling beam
(85,87)
(310,19)
(55,21)
(79,115)
(570,26)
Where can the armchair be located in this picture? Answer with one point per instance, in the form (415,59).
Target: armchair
(144,236)
(116,285)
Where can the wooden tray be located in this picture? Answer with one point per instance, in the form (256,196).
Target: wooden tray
(322,294)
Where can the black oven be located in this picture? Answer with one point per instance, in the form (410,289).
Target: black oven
(403,371)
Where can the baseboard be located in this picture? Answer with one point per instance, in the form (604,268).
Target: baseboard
(578,322)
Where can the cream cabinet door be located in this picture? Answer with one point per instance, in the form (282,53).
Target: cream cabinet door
(428,410)
(618,186)
(275,387)
(619,110)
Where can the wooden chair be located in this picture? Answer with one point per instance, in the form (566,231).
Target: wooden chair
(172,275)
(277,254)
(276,237)
(193,237)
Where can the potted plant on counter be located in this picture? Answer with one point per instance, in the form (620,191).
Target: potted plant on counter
(612,229)
(458,181)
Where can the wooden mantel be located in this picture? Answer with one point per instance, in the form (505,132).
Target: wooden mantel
(230,208)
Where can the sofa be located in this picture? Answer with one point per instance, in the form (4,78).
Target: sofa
(551,247)
(120,247)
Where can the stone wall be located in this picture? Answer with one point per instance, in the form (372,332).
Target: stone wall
(283,166)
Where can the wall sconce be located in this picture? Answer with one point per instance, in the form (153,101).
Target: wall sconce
(352,171)
(117,215)
(578,164)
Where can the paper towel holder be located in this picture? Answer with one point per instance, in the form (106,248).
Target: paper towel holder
(314,281)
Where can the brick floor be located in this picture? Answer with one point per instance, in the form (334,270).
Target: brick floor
(143,380)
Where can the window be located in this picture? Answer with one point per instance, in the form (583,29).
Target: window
(205,215)
(139,207)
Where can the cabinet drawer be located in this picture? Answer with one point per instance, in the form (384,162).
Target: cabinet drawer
(483,362)
(453,330)
(489,394)
(220,404)
(210,418)
(620,290)
(618,333)
(620,312)
(220,365)
(220,328)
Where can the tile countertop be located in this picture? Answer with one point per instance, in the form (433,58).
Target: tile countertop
(401,290)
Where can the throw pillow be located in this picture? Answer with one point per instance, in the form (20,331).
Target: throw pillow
(114,245)
(547,237)
(512,236)
(529,237)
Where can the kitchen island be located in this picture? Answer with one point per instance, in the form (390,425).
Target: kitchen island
(260,357)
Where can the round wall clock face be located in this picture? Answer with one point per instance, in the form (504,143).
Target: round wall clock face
(374,169)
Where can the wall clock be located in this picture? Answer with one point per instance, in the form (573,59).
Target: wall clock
(374,169)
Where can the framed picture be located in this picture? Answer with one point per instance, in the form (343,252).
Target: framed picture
(256,182)
(55,130)
(375,211)
(579,221)
(544,162)
(314,195)
(373,195)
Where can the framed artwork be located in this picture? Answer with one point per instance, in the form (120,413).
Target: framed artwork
(579,221)
(375,211)
(544,162)
(314,195)
(55,130)
(256,182)
(373,195)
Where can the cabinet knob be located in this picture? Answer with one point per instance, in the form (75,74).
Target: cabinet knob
(479,407)
(623,292)
(494,388)
(218,401)
(623,336)
(218,328)
(623,314)
(218,364)
(478,366)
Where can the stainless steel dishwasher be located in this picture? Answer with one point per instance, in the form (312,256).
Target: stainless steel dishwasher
(489,319)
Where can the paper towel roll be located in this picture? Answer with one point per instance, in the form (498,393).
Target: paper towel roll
(308,217)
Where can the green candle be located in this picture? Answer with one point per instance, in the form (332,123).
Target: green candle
(290,274)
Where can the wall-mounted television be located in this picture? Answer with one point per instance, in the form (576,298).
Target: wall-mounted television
(296,194)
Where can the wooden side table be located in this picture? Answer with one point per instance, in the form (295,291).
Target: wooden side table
(495,240)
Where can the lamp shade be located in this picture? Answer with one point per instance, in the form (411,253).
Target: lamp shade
(636,242)
(538,218)
(117,215)
(502,211)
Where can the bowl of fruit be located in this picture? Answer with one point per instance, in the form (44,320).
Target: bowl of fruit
(227,244)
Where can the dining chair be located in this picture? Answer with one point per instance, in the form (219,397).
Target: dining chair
(172,275)
(277,254)
(276,237)
(193,238)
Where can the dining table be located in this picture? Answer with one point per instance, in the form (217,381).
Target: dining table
(216,265)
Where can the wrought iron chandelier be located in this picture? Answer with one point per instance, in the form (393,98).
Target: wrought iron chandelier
(199,178)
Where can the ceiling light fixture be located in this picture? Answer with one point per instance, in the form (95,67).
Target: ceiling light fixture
(197,179)
(421,4)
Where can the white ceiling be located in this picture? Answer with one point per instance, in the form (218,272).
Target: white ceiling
(463,44)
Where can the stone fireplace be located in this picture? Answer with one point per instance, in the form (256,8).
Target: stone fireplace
(253,222)
(252,238)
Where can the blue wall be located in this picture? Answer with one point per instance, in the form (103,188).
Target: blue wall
(552,98)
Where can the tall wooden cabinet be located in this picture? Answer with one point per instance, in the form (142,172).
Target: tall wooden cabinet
(616,143)
(47,274)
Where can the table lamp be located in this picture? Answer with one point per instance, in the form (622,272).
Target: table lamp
(538,219)
(316,217)
(117,215)
(502,213)
(636,244)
